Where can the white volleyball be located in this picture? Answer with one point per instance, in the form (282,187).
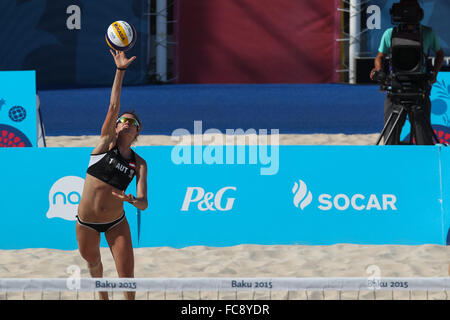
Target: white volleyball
(121,36)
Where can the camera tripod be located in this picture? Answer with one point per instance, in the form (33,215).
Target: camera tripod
(417,118)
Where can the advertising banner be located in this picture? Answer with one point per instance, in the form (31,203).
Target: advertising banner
(225,196)
(445,163)
(440,113)
(320,195)
(440,107)
(18,124)
(48,183)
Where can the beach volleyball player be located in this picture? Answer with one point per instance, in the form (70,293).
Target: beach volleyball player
(113,165)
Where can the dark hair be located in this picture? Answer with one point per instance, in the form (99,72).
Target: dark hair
(413,2)
(409,2)
(132,112)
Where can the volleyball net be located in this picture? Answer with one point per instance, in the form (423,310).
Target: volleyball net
(228,288)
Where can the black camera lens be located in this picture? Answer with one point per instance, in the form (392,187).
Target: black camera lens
(406,59)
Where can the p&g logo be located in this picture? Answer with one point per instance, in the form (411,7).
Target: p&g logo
(303,198)
(64,197)
(207,201)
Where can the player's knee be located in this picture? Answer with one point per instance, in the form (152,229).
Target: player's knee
(126,270)
(92,257)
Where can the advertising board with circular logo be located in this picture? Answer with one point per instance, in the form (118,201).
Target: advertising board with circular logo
(12,137)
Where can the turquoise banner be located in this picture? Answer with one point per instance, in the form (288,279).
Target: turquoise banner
(445,180)
(18,126)
(440,107)
(440,110)
(312,195)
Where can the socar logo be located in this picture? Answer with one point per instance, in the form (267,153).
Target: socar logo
(64,197)
(302,196)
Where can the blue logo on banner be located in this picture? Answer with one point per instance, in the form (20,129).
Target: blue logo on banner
(64,197)
(12,137)
(17,113)
(343,201)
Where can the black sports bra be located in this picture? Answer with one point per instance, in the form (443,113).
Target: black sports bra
(112,168)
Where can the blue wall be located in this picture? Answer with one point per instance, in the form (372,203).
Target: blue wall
(64,40)
(435,16)
(327,108)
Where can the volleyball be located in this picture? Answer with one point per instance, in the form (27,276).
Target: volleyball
(121,36)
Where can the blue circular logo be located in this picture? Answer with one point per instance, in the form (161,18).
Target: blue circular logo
(17,113)
(12,137)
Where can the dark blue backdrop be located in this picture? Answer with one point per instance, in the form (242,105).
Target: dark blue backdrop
(44,35)
(436,15)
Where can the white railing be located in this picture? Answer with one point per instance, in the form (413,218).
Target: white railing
(76,285)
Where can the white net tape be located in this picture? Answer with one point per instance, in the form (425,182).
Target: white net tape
(227,288)
(223,284)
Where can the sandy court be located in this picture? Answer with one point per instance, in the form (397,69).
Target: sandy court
(340,260)
(284,139)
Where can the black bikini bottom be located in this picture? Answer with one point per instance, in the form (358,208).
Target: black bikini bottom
(102,227)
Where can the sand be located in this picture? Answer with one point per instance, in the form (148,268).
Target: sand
(284,139)
(340,260)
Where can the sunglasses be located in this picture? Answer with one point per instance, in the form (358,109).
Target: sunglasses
(129,120)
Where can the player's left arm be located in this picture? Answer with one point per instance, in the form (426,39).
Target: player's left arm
(141,184)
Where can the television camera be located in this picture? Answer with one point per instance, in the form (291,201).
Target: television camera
(407,73)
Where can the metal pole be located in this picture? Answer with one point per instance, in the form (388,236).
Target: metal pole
(355,32)
(161,39)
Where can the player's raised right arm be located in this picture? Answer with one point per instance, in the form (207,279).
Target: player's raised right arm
(109,125)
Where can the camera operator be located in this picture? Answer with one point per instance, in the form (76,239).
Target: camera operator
(430,42)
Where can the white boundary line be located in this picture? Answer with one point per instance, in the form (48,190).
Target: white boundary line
(223,284)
